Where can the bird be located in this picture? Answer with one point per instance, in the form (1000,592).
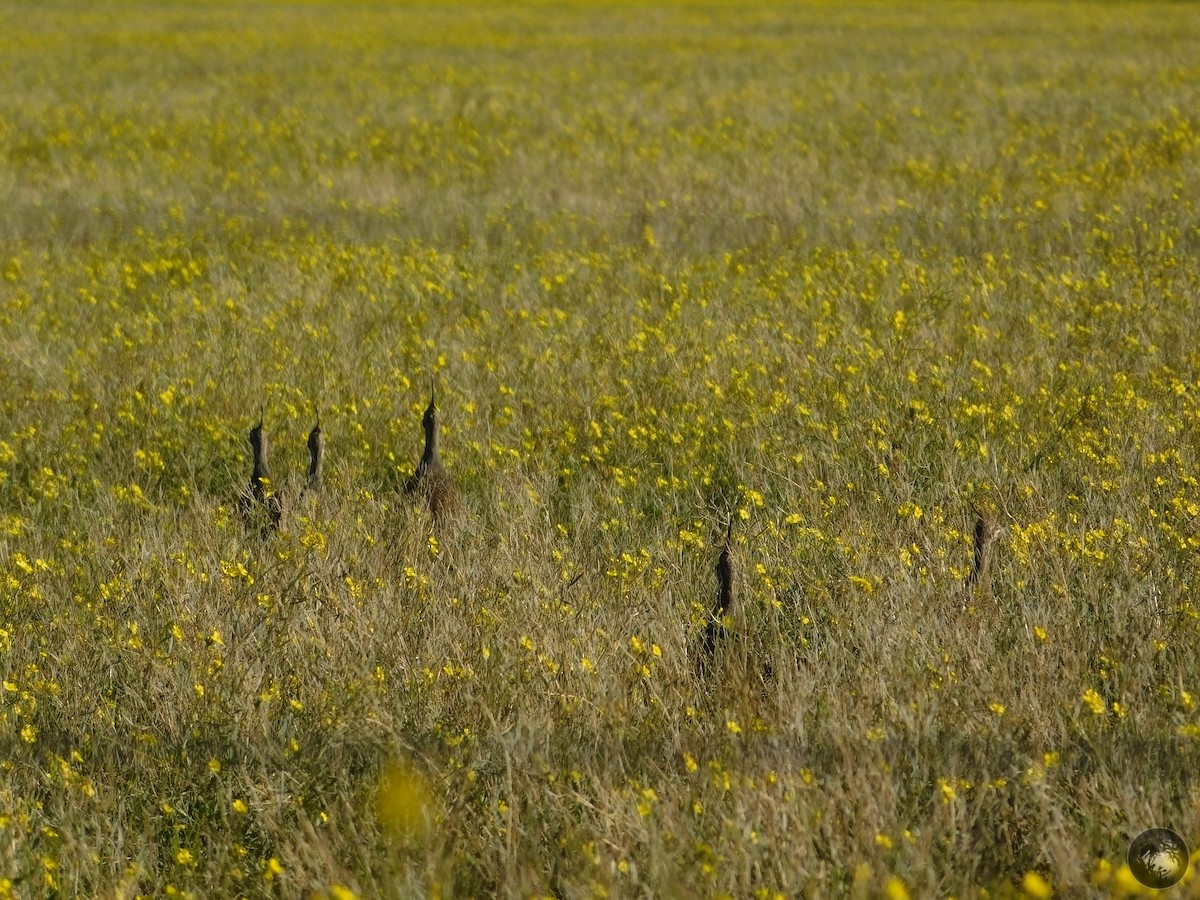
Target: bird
(259,498)
(316,453)
(431,480)
(986,533)
(715,629)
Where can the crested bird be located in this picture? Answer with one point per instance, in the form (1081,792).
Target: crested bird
(715,629)
(431,480)
(986,533)
(259,494)
(316,453)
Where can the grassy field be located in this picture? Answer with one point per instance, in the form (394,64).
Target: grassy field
(850,275)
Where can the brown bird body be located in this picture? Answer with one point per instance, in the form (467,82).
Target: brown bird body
(258,494)
(986,533)
(431,480)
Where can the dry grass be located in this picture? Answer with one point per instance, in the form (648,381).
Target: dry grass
(853,276)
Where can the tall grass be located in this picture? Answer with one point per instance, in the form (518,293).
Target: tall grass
(850,275)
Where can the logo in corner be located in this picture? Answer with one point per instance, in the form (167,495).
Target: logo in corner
(1158,858)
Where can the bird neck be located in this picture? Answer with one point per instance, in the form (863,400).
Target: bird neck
(260,461)
(431,442)
(725,579)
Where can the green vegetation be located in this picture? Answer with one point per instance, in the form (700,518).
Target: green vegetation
(851,275)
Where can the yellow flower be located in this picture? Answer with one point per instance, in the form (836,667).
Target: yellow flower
(1034,885)
(239,806)
(1094,701)
(645,805)
(947,790)
(404,804)
(896,889)
(863,584)
(1126,882)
